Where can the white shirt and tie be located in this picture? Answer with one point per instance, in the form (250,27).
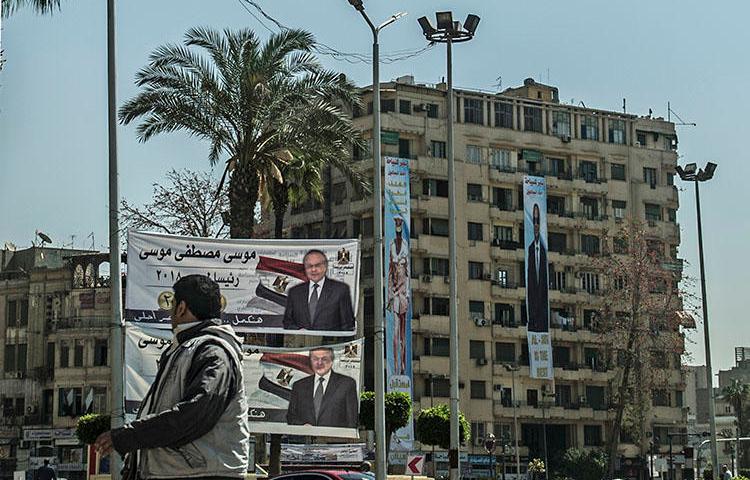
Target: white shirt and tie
(311,288)
(321,383)
(536,249)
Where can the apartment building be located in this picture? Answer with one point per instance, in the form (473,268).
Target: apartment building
(54,315)
(600,166)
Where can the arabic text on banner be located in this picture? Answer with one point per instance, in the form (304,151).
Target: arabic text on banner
(398,288)
(255,276)
(277,380)
(537,273)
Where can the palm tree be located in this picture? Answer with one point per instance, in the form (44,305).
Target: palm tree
(266,107)
(736,393)
(8,7)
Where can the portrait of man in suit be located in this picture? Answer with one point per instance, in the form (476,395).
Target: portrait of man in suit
(320,303)
(537,283)
(326,398)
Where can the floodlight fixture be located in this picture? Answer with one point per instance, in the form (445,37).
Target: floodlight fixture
(471,23)
(444,20)
(427,28)
(691,168)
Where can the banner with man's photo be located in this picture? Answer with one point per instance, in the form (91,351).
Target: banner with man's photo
(302,287)
(398,289)
(310,391)
(537,273)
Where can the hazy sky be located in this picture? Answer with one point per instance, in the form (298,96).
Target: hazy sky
(53,144)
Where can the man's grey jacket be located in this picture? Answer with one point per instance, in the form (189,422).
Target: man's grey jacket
(193,422)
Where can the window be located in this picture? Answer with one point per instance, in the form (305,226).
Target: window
(618,171)
(475,230)
(476,270)
(590,244)
(438,306)
(367,228)
(660,398)
(559,279)
(338,229)
(505,352)
(10,358)
(436,266)
(339,193)
(478,430)
(438,347)
(476,349)
(563,395)
(96,400)
(557,242)
(435,188)
(64,354)
(388,105)
(500,159)
(561,124)
(473,154)
(532,397)
(560,357)
(616,131)
(502,233)
(592,435)
(404,148)
(556,167)
(555,205)
(588,171)
(435,226)
(404,106)
(590,208)
(502,198)
(590,282)
(618,208)
(437,149)
(649,176)
(476,309)
(670,179)
(17,313)
(503,115)
(100,352)
(368,266)
(532,119)
(595,397)
(653,212)
(501,277)
(503,431)
(590,128)
(640,138)
(69,402)
(474,111)
(437,387)
(671,215)
(474,192)
(432,110)
(589,318)
(678,398)
(78,354)
(619,245)
(478,390)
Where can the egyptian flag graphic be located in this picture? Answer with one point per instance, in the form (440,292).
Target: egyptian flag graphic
(279,372)
(276,275)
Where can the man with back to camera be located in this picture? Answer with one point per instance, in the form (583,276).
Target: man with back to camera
(321,303)
(192,423)
(45,472)
(536,280)
(326,398)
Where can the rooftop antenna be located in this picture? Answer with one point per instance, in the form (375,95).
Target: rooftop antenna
(91,236)
(43,237)
(498,82)
(10,246)
(681,121)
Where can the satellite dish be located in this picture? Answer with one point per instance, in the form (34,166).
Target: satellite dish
(10,246)
(44,237)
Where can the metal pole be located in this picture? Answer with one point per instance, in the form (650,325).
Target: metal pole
(671,461)
(544,436)
(455,472)
(380,448)
(515,426)
(707,341)
(116,343)
(651,471)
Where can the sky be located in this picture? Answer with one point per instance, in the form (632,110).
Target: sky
(53,102)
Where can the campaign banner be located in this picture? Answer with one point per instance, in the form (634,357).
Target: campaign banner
(322,453)
(282,385)
(537,272)
(398,289)
(266,285)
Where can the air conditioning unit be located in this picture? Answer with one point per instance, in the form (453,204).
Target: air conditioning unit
(565,138)
(583,400)
(498,388)
(481,322)
(420,107)
(481,361)
(447,279)
(427,278)
(488,276)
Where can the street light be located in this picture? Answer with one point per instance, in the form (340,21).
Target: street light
(513,369)
(381,462)
(448,32)
(691,173)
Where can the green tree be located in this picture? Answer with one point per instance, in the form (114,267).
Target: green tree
(580,464)
(262,106)
(397,412)
(736,393)
(40,6)
(432,426)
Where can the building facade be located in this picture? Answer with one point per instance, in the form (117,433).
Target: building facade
(601,168)
(54,359)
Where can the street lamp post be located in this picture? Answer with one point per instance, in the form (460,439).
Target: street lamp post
(381,462)
(450,32)
(691,173)
(513,369)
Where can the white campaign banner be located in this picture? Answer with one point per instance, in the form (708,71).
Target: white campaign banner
(263,282)
(322,453)
(280,384)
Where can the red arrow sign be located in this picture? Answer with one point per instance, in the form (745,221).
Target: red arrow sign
(414,464)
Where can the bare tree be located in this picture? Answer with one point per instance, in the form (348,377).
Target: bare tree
(187,204)
(640,323)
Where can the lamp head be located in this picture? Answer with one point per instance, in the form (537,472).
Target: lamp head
(427,28)
(708,172)
(357,4)
(444,20)
(471,23)
(691,168)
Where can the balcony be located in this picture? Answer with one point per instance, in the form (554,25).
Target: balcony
(437,324)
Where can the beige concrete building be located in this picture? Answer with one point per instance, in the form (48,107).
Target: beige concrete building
(600,166)
(54,355)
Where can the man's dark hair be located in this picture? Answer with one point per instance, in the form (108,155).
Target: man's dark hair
(330,350)
(536,214)
(46,462)
(201,294)
(319,252)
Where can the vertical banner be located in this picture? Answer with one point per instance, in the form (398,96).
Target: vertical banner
(398,288)
(537,281)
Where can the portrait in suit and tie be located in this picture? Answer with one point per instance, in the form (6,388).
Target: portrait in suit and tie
(320,303)
(326,398)
(537,283)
